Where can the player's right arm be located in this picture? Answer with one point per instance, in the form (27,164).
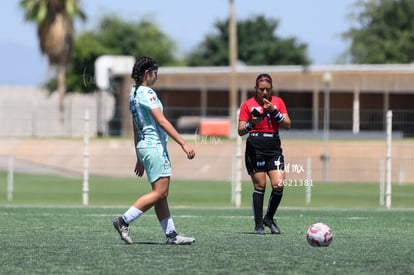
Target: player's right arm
(246,121)
(139,168)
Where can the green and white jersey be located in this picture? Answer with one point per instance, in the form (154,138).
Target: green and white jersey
(141,102)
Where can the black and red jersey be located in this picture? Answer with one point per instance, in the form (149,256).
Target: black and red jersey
(268,124)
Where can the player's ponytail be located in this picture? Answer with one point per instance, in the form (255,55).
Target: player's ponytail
(141,65)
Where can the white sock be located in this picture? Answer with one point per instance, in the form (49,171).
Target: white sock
(132,214)
(167,225)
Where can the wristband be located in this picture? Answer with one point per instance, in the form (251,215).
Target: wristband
(278,116)
(248,126)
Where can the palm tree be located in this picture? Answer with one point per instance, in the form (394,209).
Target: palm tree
(54,20)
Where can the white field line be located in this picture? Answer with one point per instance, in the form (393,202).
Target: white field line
(124,207)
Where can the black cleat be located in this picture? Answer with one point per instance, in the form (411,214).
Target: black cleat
(259,229)
(274,229)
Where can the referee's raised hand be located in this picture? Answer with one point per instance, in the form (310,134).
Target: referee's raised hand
(268,105)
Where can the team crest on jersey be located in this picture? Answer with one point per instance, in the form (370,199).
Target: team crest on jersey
(258,108)
(151,96)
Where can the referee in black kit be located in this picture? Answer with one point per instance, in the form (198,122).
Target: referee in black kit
(261,117)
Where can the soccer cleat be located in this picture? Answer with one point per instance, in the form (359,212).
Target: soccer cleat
(174,238)
(274,229)
(259,229)
(123,229)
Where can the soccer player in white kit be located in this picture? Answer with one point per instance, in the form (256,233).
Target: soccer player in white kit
(151,131)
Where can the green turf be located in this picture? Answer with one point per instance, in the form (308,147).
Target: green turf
(45,230)
(54,190)
(59,240)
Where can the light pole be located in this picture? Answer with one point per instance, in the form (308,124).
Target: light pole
(233,69)
(233,104)
(327,79)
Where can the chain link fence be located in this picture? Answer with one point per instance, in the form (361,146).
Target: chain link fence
(37,141)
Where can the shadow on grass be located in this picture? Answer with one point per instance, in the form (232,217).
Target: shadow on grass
(149,243)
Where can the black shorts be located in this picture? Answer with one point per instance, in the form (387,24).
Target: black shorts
(263,153)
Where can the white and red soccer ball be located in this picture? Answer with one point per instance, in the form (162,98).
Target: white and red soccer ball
(319,234)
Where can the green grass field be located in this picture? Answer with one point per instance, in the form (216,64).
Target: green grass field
(54,190)
(45,230)
(82,241)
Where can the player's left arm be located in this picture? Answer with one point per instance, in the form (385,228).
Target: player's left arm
(166,125)
(285,124)
(280,113)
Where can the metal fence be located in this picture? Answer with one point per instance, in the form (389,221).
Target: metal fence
(37,142)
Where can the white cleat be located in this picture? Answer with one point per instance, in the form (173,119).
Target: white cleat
(123,229)
(173,238)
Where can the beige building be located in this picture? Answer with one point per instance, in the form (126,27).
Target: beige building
(359,95)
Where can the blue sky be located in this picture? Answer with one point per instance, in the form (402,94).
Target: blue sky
(317,23)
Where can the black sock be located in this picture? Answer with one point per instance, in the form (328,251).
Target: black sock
(274,201)
(257,204)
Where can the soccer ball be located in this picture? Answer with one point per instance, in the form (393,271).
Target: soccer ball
(319,234)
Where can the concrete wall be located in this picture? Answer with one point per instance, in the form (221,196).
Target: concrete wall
(33,112)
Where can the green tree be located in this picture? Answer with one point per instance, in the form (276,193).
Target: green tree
(257,45)
(115,37)
(54,20)
(383,32)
